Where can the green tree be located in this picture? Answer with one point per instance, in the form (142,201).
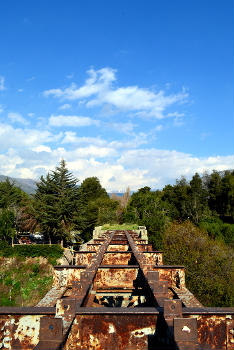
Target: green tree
(177,199)
(91,189)
(147,208)
(12,199)
(10,195)
(227,196)
(215,192)
(107,208)
(198,200)
(209,264)
(90,194)
(7,225)
(56,202)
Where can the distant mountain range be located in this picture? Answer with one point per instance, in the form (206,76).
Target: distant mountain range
(27,185)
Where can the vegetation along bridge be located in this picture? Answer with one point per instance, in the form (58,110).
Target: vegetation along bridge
(117,295)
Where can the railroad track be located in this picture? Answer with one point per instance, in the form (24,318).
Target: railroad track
(117,295)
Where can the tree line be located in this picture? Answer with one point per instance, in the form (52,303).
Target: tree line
(191,221)
(207,201)
(61,206)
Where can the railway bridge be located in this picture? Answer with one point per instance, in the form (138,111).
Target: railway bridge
(117,295)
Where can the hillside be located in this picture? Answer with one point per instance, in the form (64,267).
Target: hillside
(27,185)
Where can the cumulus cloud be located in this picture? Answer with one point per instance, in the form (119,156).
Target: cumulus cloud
(126,128)
(72,138)
(42,148)
(17,118)
(166,165)
(65,106)
(19,138)
(72,121)
(118,163)
(99,90)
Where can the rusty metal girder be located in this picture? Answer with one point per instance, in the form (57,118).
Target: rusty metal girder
(118,296)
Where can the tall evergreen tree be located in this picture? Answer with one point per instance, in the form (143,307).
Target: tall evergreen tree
(227,196)
(198,205)
(215,192)
(56,199)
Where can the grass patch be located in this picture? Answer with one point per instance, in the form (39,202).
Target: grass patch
(51,252)
(24,281)
(120,227)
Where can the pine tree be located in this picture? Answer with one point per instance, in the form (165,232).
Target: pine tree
(198,208)
(215,192)
(56,199)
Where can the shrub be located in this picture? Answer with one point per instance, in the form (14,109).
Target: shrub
(209,264)
(51,252)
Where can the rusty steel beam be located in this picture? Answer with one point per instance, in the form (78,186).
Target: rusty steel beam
(118,295)
(182,331)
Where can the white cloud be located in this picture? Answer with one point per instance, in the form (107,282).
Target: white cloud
(9,161)
(72,138)
(126,128)
(97,81)
(176,114)
(17,118)
(65,106)
(93,151)
(24,138)
(73,121)
(167,165)
(42,148)
(99,90)
(1,108)
(27,155)
(158,127)
(178,118)
(31,114)
(2,83)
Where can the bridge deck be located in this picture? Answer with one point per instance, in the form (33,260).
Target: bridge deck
(118,295)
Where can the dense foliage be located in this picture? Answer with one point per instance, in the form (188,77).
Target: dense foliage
(51,252)
(15,289)
(191,221)
(209,263)
(95,207)
(207,201)
(60,209)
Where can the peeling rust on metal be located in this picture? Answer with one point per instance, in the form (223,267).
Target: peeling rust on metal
(118,295)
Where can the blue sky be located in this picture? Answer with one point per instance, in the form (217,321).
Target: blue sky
(134,92)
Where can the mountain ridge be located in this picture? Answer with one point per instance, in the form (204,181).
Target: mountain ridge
(27,185)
